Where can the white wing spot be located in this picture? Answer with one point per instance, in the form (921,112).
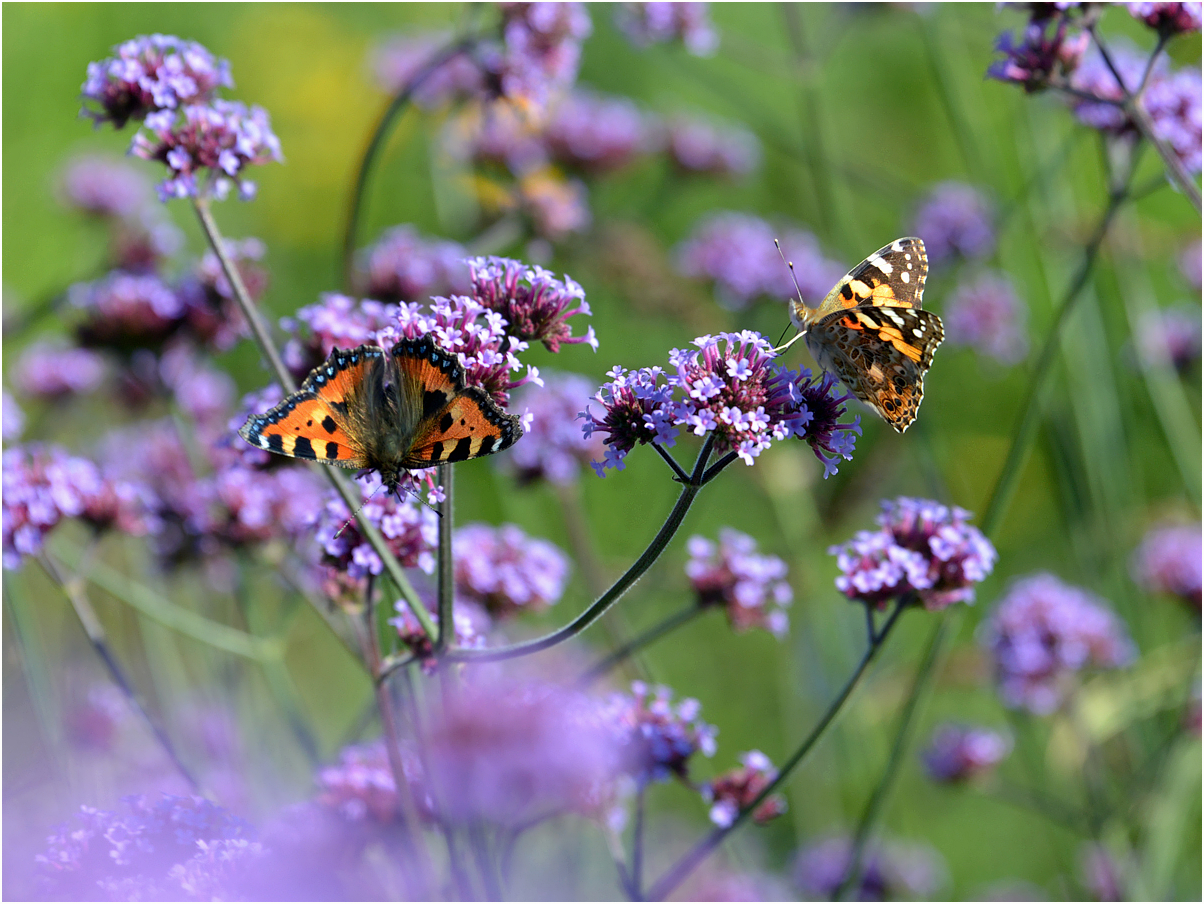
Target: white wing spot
(905,276)
(881,263)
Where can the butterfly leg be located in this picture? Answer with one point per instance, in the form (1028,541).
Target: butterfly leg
(781,348)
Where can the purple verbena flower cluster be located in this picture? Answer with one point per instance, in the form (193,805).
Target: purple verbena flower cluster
(13,419)
(955,220)
(104,187)
(1169,561)
(735,789)
(336,320)
(1042,633)
(921,547)
(553,446)
(957,753)
(1048,50)
(986,313)
(469,621)
(889,871)
(126,309)
(1169,336)
(554,206)
(645,24)
(361,787)
(700,146)
(597,133)
(1174,107)
(541,49)
(535,304)
(1168,18)
(212,314)
(398,60)
(403,265)
(751,588)
(54,370)
(656,737)
(505,571)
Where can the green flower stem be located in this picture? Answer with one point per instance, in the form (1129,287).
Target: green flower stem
(878,798)
(383,126)
(447,623)
(679,475)
(611,596)
(657,631)
(73,589)
(677,873)
(351,497)
(637,845)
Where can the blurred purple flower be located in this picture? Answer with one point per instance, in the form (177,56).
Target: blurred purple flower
(921,547)
(497,135)
(957,753)
(107,188)
(142,242)
(751,588)
(555,206)
(656,737)
(1189,263)
(149,73)
(955,219)
(254,506)
(55,370)
(126,310)
(659,23)
(1169,336)
(986,313)
(361,787)
(553,447)
(541,49)
(336,320)
(223,137)
(405,266)
(1042,633)
(1095,77)
(699,146)
(93,722)
(889,872)
(735,789)
(1174,107)
(13,419)
(212,315)
(1102,873)
(506,752)
(1044,52)
(400,58)
(506,571)
(597,133)
(202,392)
(1169,561)
(469,620)
(1168,18)
(535,304)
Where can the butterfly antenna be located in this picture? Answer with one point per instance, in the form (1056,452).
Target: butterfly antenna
(414,493)
(356,512)
(793,279)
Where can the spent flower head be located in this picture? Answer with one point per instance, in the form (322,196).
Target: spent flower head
(735,789)
(656,736)
(955,220)
(987,314)
(535,304)
(957,753)
(1169,561)
(751,588)
(1042,633)
(506,571)
(645,24)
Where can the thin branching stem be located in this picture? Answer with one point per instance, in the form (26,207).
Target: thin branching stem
(653,634)
(680,475)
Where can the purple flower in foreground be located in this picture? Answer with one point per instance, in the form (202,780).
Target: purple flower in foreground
(659,23)
(921,547)
(735,789)
(1042,633)
(405,266)
(336,320)
(104,187)
(1169,336)
(125,310)
(541,49)
(656,737)
(223,137)
(1046,50)
(957,753)
(597,133)
(1168,18)
(889,872)
(506,571)
(149,73)
(553,447)
(1169,561)
(698,146)
(955,219)
(535,304)
(399,59)
(52,370)
(988,315)
(751,588)
(13,419)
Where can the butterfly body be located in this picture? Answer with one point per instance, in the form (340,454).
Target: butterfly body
(871,332)
(391,411)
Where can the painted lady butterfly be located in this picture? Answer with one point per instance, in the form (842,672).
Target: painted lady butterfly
(871,333)
(390,411)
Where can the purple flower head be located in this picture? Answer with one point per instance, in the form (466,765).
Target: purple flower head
(1169,561)
(645,24)
(987,314)
(656,737)
(223,137)
(555,206)
(92,723)
(1169,336)
(506,571)
(553,447)
(735,789)
(405,266)
(1170,105)
(1189,263)
(212,314)
(541,49)
(105,188)
(1102,873)
(1168,18)
(126,310)
(957,753)
(504,752)
(361,787)
(151,73)
(336,320)
(699,146)
(470,621)
(476,335)
(1174,107)
(399,59)
(921,547)
(597,134)
(203,393)
(1047,49)
(1042,633)
(955,219)
(254,506)
(54,370)
(637,408)
(497,135)
(141,243)
(13,419)
(752,588)
(889,872)
(535,304)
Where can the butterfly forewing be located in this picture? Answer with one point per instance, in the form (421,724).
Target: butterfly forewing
(893,276)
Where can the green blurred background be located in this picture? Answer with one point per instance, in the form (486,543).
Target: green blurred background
(866,110)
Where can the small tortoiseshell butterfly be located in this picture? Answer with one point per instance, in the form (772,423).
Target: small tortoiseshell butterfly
(872,333)
(390,411)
